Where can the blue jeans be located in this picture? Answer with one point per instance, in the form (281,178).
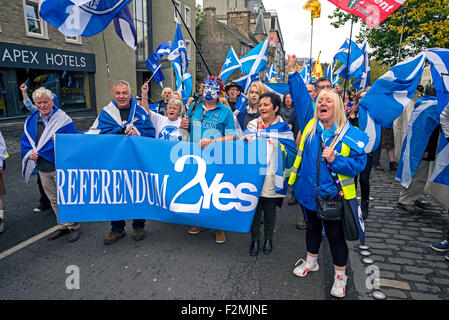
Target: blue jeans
(119,226)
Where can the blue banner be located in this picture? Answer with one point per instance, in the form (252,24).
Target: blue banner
(113,177)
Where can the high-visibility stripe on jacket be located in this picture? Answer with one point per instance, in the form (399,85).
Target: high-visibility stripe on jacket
(347,183)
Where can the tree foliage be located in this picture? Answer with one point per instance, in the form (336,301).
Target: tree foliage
(426,25)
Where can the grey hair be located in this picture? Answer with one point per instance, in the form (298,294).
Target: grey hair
(177,103)
(171,91)
(122,83)
(38,93)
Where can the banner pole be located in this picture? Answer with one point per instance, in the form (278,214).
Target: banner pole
(107,65)
(191,37)
(347,63)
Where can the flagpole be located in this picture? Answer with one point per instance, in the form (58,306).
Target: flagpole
(191,37)
(311,36)
(107,64)
(347,63)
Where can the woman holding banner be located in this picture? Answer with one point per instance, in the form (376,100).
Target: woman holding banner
(322,168)
(271,126)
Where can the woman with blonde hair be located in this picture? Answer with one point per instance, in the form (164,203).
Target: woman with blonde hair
(317,167)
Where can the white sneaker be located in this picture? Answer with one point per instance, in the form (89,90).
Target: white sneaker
(339,287)
(303,269)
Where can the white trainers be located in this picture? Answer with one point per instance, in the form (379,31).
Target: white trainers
(303,269)
(339,287)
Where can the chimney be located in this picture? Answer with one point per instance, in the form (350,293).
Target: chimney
(239,20)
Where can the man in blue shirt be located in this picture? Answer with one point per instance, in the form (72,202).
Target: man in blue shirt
(208,122)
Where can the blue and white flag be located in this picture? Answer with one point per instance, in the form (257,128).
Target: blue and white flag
(439,60)
(329,71)
(246,81)
(279,88)
(371,128)
(362,82)
(306,72)
(80,18)
(356,59)
(231,63)
(355,138)
(286,152)
(153,61)
(240,110)
(178,57)
(124,27)
(423,120)
(391,93)
(270,73)
(215,187)
(280,77)
(185,88)
(59,122)
(256,60)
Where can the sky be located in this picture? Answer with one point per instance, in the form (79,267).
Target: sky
(296,29)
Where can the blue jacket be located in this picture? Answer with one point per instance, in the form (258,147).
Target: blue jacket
(305,186)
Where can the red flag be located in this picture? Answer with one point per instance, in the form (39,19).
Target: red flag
(373,12)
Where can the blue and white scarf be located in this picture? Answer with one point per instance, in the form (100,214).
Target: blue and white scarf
(109,121)
(286,151)
(59,122)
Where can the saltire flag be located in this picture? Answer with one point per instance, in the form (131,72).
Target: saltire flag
(232,62)
(390,94)
(79,17)
(306,72)
(153,61)
(317,70)
(439,60)
(124,27)
(286,152)
(279,88)
(355,138)
(314,6)
(240,110)
(373,12)
(330,74)
(356,58)
(186,87)
(271,73)
(371,128)
(423,120)
(280,77)
(255,60)
(178,57)
(246,81)
(362,82)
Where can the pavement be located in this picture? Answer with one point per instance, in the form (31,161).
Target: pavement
(170,264)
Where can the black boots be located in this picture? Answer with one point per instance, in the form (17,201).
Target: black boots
(267,246)
(255,246)
(254,249)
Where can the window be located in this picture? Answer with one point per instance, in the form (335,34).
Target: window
(34,25)
(178,6)
(256,7)
(141,25)
(75,40)
(187,15)
(188,49)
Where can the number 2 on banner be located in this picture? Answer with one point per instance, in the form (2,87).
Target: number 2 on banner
(212,192)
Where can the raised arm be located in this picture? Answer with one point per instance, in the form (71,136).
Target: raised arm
(299,93)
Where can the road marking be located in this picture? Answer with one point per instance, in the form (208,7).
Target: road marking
(31,240)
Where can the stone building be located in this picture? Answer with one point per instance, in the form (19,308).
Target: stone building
(75,68)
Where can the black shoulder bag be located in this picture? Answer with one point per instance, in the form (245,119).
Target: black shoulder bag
(327,209)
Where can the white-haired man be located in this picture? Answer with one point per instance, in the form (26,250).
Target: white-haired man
(38,151)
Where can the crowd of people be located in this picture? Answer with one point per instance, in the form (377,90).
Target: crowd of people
(315,114)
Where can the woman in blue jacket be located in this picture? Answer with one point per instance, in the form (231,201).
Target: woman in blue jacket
(319,127)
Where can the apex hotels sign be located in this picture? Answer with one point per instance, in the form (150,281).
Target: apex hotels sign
(21,56)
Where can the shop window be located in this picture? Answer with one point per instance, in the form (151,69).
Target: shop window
(34,25)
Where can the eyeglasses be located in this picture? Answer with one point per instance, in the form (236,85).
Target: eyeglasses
(324,87)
